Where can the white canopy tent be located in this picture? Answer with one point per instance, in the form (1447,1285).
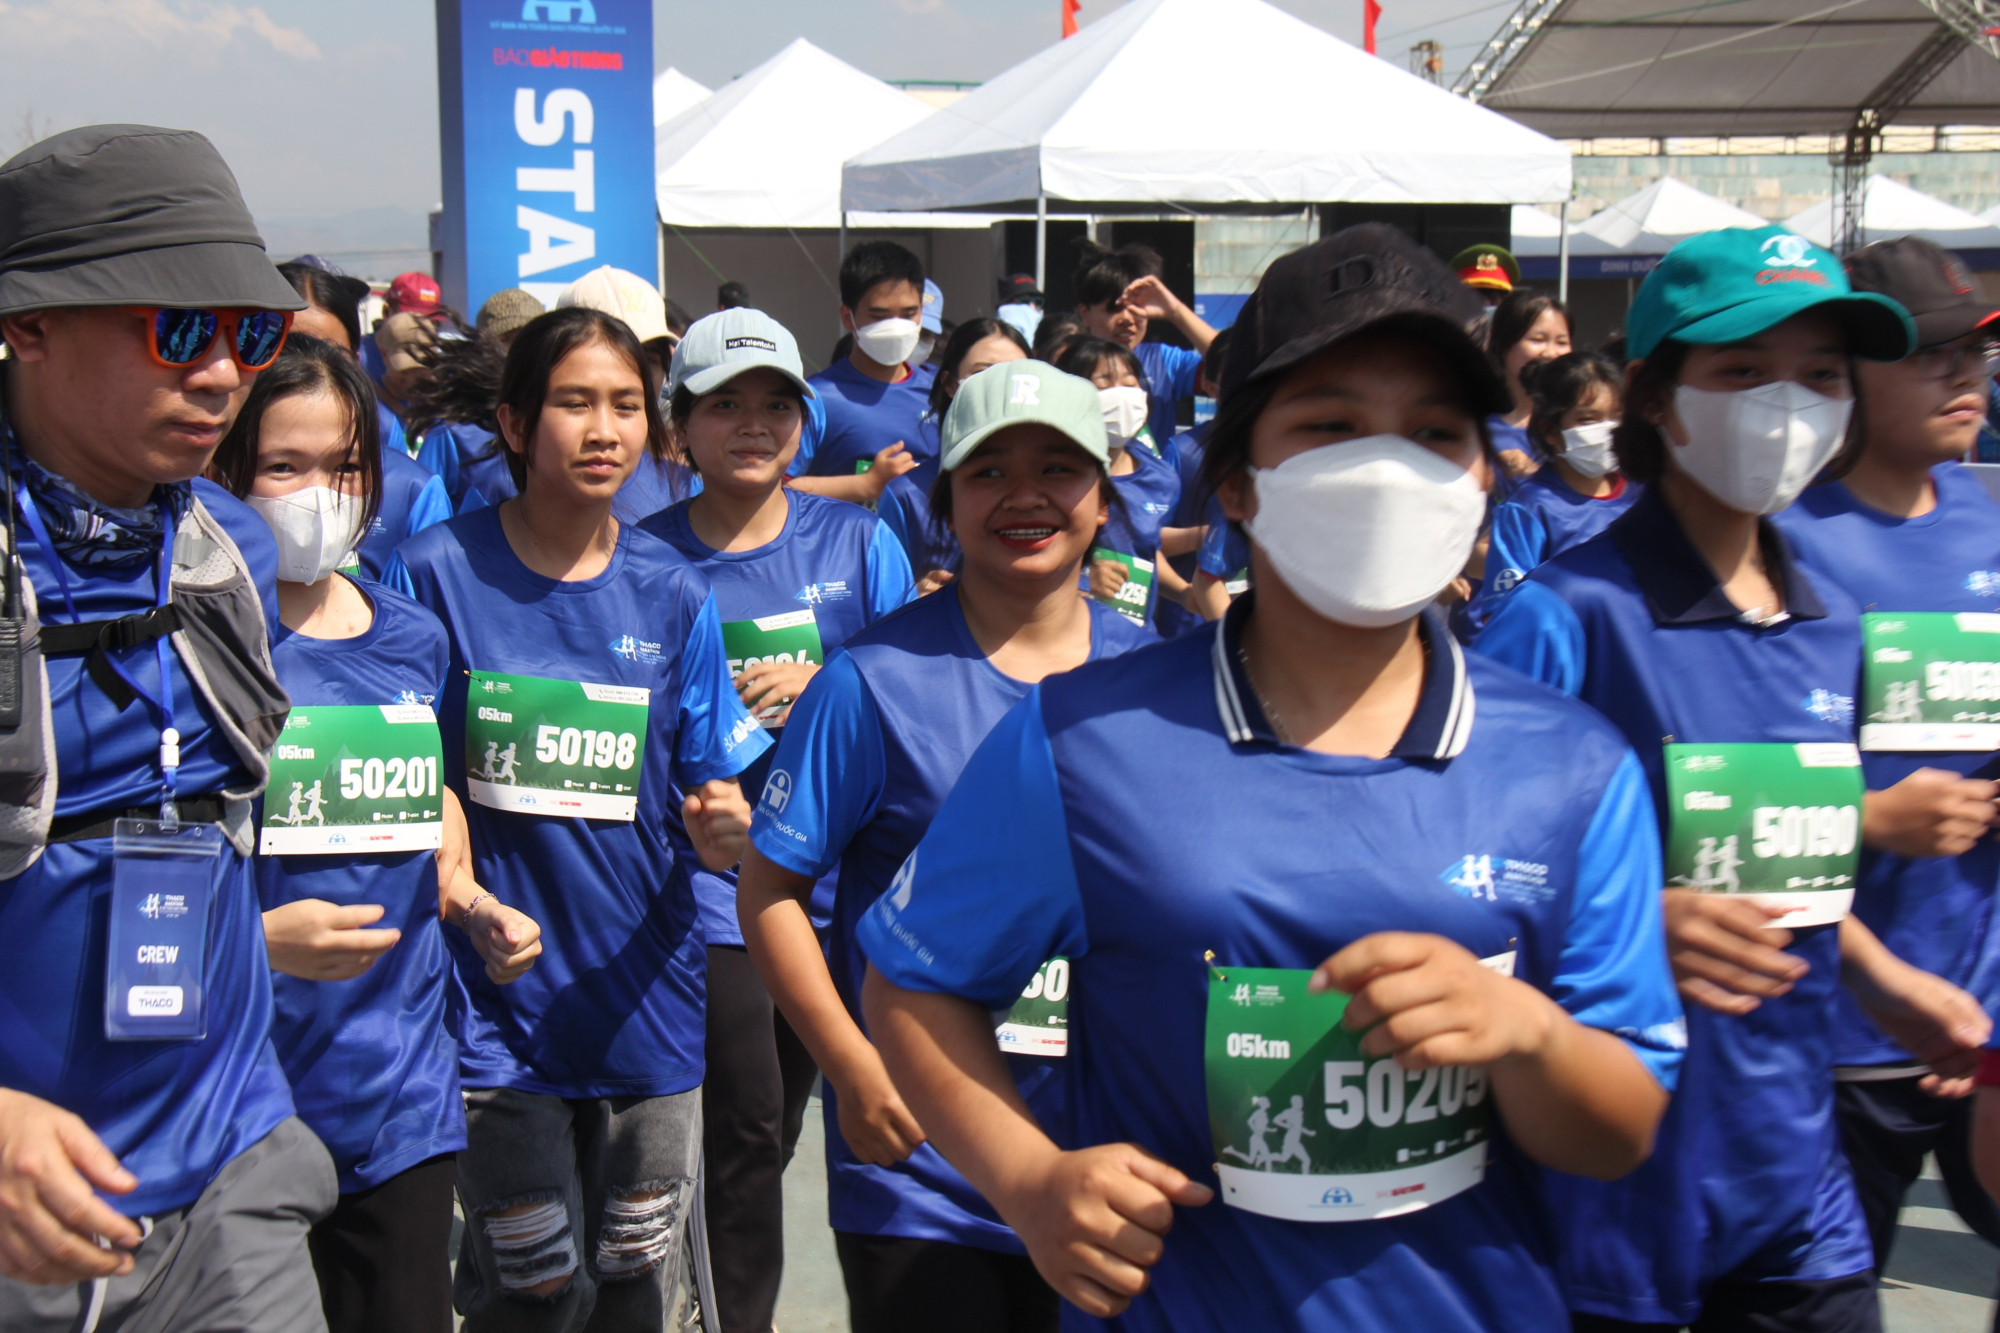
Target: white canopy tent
(673,93)
(1891,209)
(1288,115)
(766,150)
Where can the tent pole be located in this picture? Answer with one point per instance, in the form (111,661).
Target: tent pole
(1041,240)
(842,243)
(1562,263)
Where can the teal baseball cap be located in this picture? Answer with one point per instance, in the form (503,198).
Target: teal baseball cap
(1017,393)
(1725,286)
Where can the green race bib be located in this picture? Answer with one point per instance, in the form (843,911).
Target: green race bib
(1038,1024)
(554,747)
(793,637)
(354,778)
(1931,681)
(1308,1128)
(862,465)
(1131,599)
(1779,821)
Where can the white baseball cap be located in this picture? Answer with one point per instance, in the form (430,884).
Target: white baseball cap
(721,346)
(622,294)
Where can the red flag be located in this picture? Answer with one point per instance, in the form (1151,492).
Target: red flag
(1370,11)
(1069,16)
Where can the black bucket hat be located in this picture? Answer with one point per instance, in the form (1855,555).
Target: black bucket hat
(115,215)
(1364,276)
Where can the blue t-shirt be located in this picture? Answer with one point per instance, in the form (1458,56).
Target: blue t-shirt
(1312,853)
(1933,912)
(865,416)
(614,1006)
(374,1069)
(413,498)
(1543,517)
(654,485)
(870,752)
(1147,495)
(1747,1179)
(391,427)
(832,558)
(1186,451)
(1171,374)
(472,463)
(905,509)
(1225,551)
(174,1112)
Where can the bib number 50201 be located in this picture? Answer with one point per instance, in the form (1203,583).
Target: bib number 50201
(387,779)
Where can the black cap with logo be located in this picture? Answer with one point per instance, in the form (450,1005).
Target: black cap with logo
(1367,275)
(1929,281)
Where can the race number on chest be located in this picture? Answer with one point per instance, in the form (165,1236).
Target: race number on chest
(793,637)
(1931,681)
(554,747)
(1780,821)
(355,778)
(1306,1127)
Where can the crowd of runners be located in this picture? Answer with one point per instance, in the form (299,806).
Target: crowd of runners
(1481,834)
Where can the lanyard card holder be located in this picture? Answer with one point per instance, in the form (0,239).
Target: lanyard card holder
(161,900)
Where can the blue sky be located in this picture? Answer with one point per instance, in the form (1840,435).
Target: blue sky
(327,109)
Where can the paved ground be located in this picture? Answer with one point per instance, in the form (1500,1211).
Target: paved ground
(1941,1277)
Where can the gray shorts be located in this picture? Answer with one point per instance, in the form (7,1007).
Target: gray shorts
(575,1210)
(236,1262)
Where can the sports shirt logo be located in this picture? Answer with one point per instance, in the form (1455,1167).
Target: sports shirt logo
(900,886)
(1829,707)
(558,11)
(778,791)
(1473,877)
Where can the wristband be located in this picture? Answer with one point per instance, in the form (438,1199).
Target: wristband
(1989,1070)
(465,917)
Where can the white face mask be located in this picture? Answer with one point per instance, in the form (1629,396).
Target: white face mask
(925,346)
(1588,448)
(1757,449)
(316,528)
(888,342)
(1124,413)
(1369,532)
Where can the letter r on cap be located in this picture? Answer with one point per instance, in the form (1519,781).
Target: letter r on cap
(1027,391)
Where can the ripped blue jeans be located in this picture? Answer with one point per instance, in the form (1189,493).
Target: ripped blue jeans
(575,1210)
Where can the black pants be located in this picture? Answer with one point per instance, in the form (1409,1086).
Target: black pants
(753,1107)
(1886,1128)
(1836,1305)
(932,1286)
(383,1255)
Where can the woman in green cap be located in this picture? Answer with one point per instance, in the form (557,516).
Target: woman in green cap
(1731,671)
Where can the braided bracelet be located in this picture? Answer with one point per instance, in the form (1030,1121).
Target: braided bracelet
(465,917)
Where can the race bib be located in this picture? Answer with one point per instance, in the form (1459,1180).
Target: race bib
(355,778)
(1038,1024)
(793,637)
(1309,1129)
(1130,600)
(1931,681)
(1780,821)
(554,747)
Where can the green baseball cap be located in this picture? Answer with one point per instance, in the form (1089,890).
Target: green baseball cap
(1725,286)
(1016,393)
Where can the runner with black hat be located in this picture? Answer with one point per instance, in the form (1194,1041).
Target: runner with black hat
(1415,846)
(137,705)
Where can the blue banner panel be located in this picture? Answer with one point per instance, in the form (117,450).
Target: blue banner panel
(546,108)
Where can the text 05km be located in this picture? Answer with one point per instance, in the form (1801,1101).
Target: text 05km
(572,747)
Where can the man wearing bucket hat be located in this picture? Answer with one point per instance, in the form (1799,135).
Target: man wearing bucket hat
(137,705)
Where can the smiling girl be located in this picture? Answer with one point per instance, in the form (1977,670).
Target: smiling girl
(868,755)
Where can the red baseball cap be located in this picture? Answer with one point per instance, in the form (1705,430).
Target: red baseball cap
(417,293)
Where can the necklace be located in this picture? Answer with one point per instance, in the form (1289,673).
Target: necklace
(1271,715)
